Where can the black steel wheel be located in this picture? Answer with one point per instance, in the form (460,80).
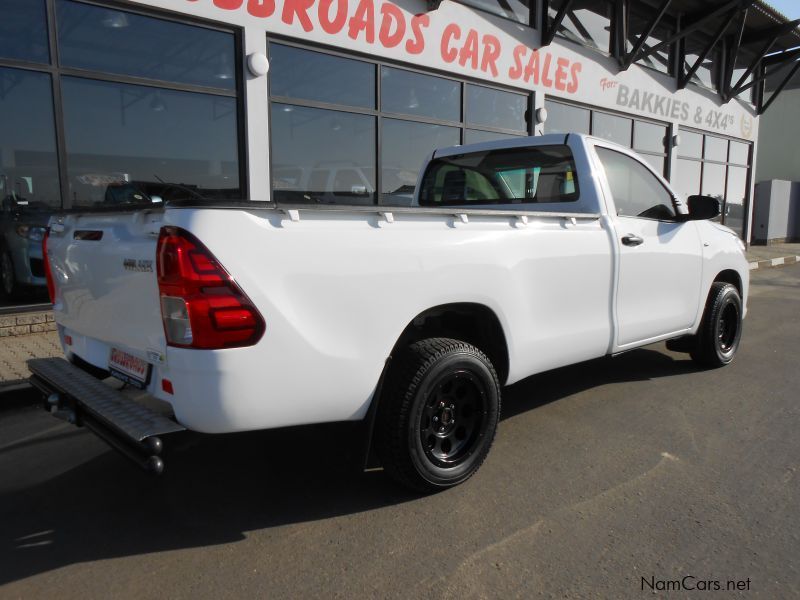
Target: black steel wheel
(721,329)
(438,415)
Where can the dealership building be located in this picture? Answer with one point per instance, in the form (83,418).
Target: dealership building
(341,100)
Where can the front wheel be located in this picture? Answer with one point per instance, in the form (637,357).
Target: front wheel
(439,414)
(721,329)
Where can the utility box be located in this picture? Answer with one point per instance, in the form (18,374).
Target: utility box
(776,212)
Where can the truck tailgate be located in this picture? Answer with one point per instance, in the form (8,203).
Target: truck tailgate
(104,270)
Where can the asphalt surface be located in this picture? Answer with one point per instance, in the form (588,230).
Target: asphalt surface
(603,474)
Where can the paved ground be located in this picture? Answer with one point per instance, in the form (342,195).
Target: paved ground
(603,474)
(755,253)
(15,350)
(774,255)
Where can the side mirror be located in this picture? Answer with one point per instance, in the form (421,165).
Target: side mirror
(702,208)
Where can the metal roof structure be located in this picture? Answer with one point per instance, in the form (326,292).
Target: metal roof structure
(751,41)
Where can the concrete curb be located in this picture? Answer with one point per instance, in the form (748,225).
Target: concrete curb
(774,262)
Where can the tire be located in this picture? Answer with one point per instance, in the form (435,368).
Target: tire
(438,415)
(8,279)
(721,328)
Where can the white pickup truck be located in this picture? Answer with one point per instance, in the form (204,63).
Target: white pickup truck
(515,257)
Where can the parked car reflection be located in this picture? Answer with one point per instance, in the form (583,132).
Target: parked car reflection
(22,225)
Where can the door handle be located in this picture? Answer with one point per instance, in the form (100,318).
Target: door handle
(632,240)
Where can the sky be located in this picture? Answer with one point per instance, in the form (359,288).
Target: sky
(790,8)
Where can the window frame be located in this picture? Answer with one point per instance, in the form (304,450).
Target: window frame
(378,63)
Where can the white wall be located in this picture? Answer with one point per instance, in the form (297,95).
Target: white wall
(779,131)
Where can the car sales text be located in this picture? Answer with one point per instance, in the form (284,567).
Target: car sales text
(385,24)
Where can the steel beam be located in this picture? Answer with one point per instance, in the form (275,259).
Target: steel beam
(781,57)
(633,55)
(769,32)
(695,22)
(767,73)
(730,59)
(552,27)
(752,66)
(619,30)
(683,78)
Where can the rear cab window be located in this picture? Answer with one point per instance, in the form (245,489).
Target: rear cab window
(526,178)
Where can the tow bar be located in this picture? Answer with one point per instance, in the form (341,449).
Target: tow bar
(78,398)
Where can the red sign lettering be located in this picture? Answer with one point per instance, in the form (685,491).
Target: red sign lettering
(471,49)
(539,69)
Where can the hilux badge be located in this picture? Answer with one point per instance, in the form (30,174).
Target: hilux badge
(141,265)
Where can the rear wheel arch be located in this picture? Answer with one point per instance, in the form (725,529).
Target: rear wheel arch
(474,323)
(469,322)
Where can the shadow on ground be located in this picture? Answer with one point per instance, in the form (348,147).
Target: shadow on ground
(216,488)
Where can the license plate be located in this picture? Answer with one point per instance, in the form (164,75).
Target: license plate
(130,369)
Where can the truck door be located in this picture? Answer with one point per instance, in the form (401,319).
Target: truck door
(660,259)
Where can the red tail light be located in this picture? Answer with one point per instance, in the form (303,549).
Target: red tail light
(201,305)
(48,274)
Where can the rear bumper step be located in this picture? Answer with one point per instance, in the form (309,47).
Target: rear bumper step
(79,398)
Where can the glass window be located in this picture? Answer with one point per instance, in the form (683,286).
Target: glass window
(713,180)
(612,128)
(487,107)
(417,94)
(716,148)
(563,118)
(636,192)
(127,142)
(735,198)
(323,156)
(658,162)
(542,174)
(299,73)
(405,146)
(740,153)
(115,41)
(687,179)
(691,145)
(23,30)
(649,137)
(589,26)
(516,10)
(474,136)
(28,163)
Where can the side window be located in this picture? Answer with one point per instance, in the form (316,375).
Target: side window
(636,191)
